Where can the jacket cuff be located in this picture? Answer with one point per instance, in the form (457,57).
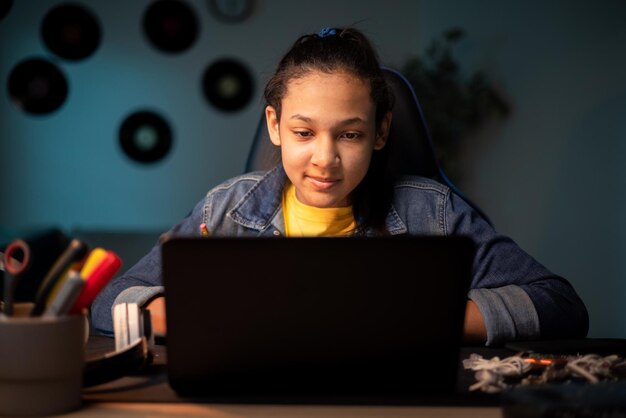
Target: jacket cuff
(508,312)
(140,295)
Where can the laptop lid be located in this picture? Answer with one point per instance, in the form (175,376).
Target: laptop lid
(315,316)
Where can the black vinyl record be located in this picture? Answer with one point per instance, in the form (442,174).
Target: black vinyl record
(145,137)
(231,11)
(5,7)
(170,25)
(71,31)
(37,86)
(228,85)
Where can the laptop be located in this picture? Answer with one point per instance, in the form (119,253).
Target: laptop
(310,317)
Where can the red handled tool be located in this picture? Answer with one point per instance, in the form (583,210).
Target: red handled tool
(96,280)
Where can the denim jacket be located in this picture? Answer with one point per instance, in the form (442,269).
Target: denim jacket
(518,297)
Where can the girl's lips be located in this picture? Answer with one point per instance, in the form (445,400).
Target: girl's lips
(322,183)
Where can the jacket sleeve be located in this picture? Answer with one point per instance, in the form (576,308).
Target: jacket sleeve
(143,281)
(519,298)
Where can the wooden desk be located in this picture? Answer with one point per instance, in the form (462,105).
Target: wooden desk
(149,395)
(155,410)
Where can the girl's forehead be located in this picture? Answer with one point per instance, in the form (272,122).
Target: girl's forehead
(330,86)
(317,77)
(328,96)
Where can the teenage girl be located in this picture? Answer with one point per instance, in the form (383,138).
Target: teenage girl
(329,110)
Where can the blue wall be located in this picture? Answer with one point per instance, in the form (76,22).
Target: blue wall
(550,175)
(72,171)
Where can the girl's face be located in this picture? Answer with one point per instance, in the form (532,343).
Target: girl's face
(327,133)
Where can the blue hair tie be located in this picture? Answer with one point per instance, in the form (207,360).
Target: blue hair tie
(327,32)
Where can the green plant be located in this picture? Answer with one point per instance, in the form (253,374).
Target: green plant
(454,106)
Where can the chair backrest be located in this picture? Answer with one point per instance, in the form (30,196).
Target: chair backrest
(410,145)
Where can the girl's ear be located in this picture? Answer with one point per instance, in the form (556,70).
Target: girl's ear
(383,132)
(272,125)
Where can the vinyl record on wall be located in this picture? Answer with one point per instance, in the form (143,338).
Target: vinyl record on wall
(37,86)
(227,85)
(71,31)
(5,7)
(170,25)
(145,137)
(231,11)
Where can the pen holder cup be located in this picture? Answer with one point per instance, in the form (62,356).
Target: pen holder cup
(41,364)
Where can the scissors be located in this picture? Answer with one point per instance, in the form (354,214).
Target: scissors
(13,270)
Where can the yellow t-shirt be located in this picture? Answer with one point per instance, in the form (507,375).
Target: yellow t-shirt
(302,220)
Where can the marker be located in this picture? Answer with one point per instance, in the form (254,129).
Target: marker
(96,281)
(74,251)
(66,296)
(204,230)
(93,259)
(73,269)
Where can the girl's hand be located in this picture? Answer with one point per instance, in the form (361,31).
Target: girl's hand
(474,330)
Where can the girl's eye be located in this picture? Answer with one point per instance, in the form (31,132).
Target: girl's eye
(302,134)
(351,135)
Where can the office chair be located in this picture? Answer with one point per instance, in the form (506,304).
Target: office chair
(411,150)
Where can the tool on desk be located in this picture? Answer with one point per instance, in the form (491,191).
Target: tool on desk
(2,263)
(75,251)
(13,270)
(80,271)
(73,270)
(95,282)
(66,296)
(93,259)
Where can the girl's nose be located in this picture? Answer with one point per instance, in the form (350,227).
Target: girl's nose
(325,152)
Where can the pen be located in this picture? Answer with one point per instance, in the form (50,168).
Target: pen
(66,297)
(96,281)
(74,251)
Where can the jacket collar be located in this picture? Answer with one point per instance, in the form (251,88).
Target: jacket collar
(259,208)
(260,205)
